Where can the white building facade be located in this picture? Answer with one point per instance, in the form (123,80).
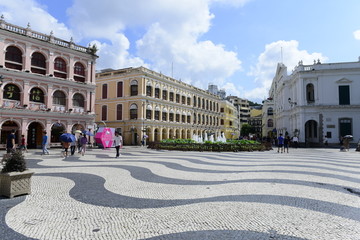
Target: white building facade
(317,100)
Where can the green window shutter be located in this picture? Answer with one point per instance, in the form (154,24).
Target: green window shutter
(344,95)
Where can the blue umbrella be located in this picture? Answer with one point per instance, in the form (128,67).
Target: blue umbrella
(67,137)
(88,133)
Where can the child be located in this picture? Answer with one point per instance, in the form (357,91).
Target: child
(23,144)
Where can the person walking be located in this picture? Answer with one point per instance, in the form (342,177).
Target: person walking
(295,140)
(83,142)
(118,143)
(73,146)
(10,142)
(66,146)
(286,144)
(280,143)
(44,143)
(23,144)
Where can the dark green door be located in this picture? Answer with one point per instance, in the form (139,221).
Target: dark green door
(345,127)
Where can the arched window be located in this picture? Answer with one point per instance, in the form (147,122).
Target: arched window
(79,72)
(36,95)
(120,89)
(104,91)
(148,90)
(148,112)
(104,113)
(59,98)
(11,91)
(60,68)
(171,96)
(164,114)
(119,112)
(157,113)
(171,116)
(270,123)
(310,93)
(13,58)
(38,63)
(270,111)
(164,94)
(133,88)
(157,92)
(133,111)
(78,100)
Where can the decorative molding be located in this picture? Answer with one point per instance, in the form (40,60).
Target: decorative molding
(343,80)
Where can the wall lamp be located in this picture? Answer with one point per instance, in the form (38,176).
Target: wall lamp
(292,103)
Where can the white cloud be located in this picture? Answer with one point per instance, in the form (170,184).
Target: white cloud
(287,52)
(170,40)
(236,3)
(357,34)
(167,40)
(116,55)
(22,12)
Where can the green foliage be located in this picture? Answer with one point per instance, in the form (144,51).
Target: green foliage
(243,142)
(191,145)
(14,162)
(178,141)
(246,129)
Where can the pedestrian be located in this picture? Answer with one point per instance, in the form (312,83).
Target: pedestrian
(23,144)
(295,140)
(280,143)
(44,143)
(79,142)
(286,144)
(326,141)
(10,142)
(83,142)
(118,141)
(66,146)
(346,142)
(73,146)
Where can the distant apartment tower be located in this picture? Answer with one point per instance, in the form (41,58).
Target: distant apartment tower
(212,88)
(243,108)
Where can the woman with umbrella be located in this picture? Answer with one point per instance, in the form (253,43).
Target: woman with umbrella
(66,139)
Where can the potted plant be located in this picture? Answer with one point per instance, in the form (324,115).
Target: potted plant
(15,178)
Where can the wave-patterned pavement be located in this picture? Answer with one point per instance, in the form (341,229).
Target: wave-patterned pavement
(149,194)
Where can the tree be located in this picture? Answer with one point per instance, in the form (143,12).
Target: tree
(246,129)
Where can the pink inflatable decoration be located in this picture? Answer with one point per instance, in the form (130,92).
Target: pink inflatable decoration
(104,137)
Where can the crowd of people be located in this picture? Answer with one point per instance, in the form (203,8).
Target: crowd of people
(76,143)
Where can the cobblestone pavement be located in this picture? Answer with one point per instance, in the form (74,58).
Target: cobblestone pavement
(148,194)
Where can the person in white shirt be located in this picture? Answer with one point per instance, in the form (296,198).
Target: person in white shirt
(118,143)
(295,141)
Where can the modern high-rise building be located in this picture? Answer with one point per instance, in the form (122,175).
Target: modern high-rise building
(47,84)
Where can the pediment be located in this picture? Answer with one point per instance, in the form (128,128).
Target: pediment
(343,80)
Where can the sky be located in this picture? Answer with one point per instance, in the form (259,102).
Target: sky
(234,44)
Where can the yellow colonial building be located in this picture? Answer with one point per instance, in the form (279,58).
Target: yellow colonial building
(229,121)
(139,102)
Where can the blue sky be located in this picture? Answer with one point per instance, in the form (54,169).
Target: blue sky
(235,44)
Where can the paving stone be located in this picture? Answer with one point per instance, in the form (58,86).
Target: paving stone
(149,194)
